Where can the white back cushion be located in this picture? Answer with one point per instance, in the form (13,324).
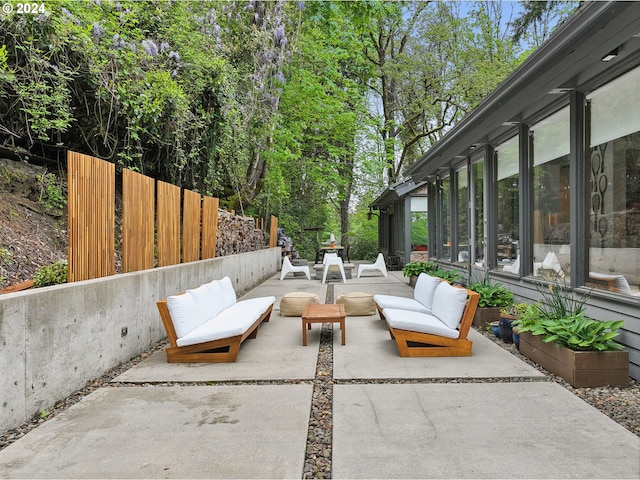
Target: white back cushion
(449,303)
(185,313)
(227,293)
(425,288)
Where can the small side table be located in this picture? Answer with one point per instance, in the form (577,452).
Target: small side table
(320,313)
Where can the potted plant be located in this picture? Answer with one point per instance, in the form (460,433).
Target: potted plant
(413,269)
(507,315)
(557,335)
(493,297)
(448,275)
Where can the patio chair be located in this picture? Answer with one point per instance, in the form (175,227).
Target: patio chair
(377,265)
(287,267)
(319,255)
(329,260)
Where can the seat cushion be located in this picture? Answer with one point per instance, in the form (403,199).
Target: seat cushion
(357,303)
(449,303)
(400,303)
(418,322)
(292,304)
(425,288)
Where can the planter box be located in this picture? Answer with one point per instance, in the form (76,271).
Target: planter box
(580,369)
(484,316)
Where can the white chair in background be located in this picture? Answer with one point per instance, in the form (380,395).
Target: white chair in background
(287,267)
(329,260)
(514,267)
(550,262)
(377,265)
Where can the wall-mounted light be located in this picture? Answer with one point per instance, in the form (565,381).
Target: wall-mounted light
(371,214)
(611,55)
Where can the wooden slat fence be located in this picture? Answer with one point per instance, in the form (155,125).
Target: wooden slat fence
(168,224)
(138,221)
(273,232)
(151,221)
(209,226)
(191,226)
(91,212)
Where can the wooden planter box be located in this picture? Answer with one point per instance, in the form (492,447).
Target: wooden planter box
(485,315)
(580,369)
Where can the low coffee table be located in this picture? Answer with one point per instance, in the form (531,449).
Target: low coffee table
(320,313)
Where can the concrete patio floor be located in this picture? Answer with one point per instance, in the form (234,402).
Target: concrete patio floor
(486,416)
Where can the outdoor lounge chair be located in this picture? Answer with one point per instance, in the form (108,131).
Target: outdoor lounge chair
(443,332)
(287,267)
(377,265)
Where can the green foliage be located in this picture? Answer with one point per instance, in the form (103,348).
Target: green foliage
(577,332)
(450,276)
(560,318)
(492,294)
(558,302)
(6,256)
(515,309)
(412,269)
(51,194)
(51,274)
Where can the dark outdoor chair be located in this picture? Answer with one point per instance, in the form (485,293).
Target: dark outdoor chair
(344,254)
(319,255)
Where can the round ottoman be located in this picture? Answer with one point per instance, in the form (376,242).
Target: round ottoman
(357,303)
(293,303)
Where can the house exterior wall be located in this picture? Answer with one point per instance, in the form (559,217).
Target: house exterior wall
(561,195)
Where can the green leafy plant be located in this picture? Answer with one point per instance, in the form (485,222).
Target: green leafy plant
(576,332)
(416,268)
(51,274)
(448,275)
(492,294)
(515,309)
(558,302)
(51,195)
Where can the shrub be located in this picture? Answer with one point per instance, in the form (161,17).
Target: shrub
(51,274)
(412,269)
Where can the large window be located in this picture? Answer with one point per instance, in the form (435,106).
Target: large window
(551,220)
(613,163)
(419,233)
(445,202)
(477,173)
(507,155)
(462,222)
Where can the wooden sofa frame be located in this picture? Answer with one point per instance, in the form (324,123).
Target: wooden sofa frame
(215,351)
(418,344)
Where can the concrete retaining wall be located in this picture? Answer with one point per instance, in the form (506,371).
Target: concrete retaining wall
(55,339)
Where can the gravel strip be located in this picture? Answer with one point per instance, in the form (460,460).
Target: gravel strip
(622,404)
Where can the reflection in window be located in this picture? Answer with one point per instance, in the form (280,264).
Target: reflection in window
(551,221)
(613,163)
(508,203)
(462,222)
(445,199)
(419,232)
(478,212)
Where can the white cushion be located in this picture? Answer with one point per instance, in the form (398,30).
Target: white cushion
(449,303)
(418,322)
(228,293)
(401,303)
(185,313)
(207,303)
(425,288)
(233,321)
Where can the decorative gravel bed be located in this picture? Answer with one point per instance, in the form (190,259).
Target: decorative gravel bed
(622,404)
